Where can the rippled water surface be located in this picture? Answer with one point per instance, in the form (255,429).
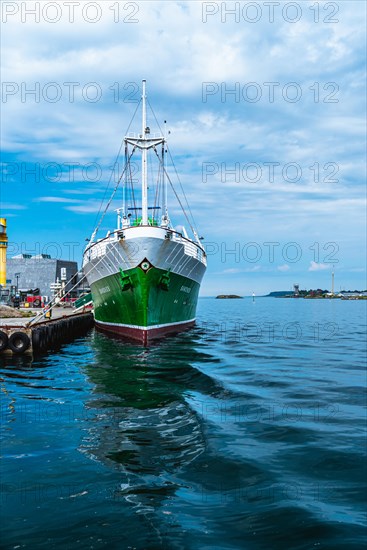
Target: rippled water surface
(246,432)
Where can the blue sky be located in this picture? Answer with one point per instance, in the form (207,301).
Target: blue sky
(266,108)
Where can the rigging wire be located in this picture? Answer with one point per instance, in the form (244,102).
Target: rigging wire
(54,302)
(182,189)
(128,164)
(111,197)
(132,191)
(114,165)
(174,166)
(157,194)
(125,183)
(177,197)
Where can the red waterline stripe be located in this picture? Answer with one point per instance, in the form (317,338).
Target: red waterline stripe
(144,335)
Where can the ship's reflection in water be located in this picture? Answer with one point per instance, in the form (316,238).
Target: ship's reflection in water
(141,422)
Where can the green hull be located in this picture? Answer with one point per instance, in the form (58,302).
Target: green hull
(85,300)
(141,304)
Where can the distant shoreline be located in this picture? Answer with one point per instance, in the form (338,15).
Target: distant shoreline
(228,297)
(343,297)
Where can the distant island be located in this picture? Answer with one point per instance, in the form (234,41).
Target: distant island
(228,296)
(319,293)
(277,294)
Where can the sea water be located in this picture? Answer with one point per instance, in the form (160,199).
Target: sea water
(247,431)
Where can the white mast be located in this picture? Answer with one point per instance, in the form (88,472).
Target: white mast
(144,141)
(144,183)
(164,180)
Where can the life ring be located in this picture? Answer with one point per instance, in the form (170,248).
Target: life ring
(3,340)
(19,342)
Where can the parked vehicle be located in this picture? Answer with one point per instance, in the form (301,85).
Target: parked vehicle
(31,297)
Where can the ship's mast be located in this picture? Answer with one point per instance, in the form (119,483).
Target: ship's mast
(144,183)
(144,141)
(164,180)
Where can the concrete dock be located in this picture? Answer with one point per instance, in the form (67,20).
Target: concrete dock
(22,336)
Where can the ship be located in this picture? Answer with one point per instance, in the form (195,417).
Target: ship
(145,274)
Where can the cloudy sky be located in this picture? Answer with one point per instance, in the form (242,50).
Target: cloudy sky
(266,106)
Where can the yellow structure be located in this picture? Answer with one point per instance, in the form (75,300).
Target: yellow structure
(3,247)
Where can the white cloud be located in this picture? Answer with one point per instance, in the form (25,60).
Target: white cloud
(284,267)
(56,200)
(12,206)
(224,130)
(314,266)
(252,269)
(85,208)
(231,270)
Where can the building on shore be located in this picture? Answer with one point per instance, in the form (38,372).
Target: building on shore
(3,248)
(25,272)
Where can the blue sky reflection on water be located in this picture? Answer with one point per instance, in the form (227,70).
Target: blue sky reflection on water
(227,436)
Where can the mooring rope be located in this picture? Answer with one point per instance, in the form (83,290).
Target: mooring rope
(54,302)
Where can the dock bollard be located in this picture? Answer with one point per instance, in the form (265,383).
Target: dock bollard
(47,312)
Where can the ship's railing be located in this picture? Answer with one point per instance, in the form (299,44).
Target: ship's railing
(134,135)
(191,248)
(98,249)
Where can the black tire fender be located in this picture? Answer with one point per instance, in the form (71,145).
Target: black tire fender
(19,342)
(3,340)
